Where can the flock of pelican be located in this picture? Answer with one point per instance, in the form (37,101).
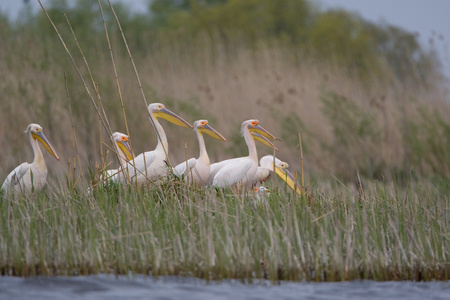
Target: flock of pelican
(151,166)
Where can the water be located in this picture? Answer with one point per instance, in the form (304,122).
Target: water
(142,287)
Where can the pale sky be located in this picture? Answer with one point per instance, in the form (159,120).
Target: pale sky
(429,18)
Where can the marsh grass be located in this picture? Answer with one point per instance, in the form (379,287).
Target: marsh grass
(173,229)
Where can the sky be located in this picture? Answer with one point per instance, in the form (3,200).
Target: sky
(430,19)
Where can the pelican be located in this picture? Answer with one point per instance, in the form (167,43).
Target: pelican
(266,165)
(28,178)
(198,168)
(123,150)
(151,165)
(215,167)
(243,171)
(261,193)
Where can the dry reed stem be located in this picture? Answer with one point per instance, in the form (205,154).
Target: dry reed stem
(301,160)
(139,84)
(116,76)
(103,119)
(74,134)
(73,62)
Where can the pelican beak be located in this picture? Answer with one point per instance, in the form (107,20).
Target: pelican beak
(171,117)
(126,148)
(262,131)
(262,139)
(43,140)
(212,132)
(287,177)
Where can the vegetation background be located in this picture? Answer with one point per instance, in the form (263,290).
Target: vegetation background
(364,96)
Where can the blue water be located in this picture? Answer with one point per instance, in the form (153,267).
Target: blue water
(142,287)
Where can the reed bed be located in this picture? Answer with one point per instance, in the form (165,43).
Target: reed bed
(389,230)
(331,233)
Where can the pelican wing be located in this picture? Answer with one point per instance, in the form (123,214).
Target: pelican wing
(180,169)
(216,167)
(144,160)
(142,163)
(110,175)
(16,175)
(232,173)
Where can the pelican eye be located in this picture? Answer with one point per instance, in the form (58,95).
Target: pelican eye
(254,123)
(204,123)
(124,139)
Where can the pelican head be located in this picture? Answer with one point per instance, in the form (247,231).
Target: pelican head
(269,164)
(253,126)
(272,163)
(122,141)
(203,127)
(265,141)
(36,133)
(262,193)
(158,110)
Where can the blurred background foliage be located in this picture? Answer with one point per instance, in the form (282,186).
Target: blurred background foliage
(364,96)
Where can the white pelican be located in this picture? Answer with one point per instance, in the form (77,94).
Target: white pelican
(198,169)
(215,167)
(151,165)
(280,168)
(266,165)
(123,150)
(28,178)
(243,171)
(261,193)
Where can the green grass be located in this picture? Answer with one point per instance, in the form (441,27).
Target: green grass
(389,233)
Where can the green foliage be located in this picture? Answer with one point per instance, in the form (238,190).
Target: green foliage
(336,36)
(344,38)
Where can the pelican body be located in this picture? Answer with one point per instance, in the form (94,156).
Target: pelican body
(243,171)
(215,167)
(151,165)
(125,154)
(196,170)
(28,178)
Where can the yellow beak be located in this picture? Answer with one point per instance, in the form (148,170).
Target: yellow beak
(287,177)
(126,148)
(262,131)
(43,140)
(171,117)
(262,139)
(211,132)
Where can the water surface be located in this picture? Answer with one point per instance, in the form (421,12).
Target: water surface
(146,287)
